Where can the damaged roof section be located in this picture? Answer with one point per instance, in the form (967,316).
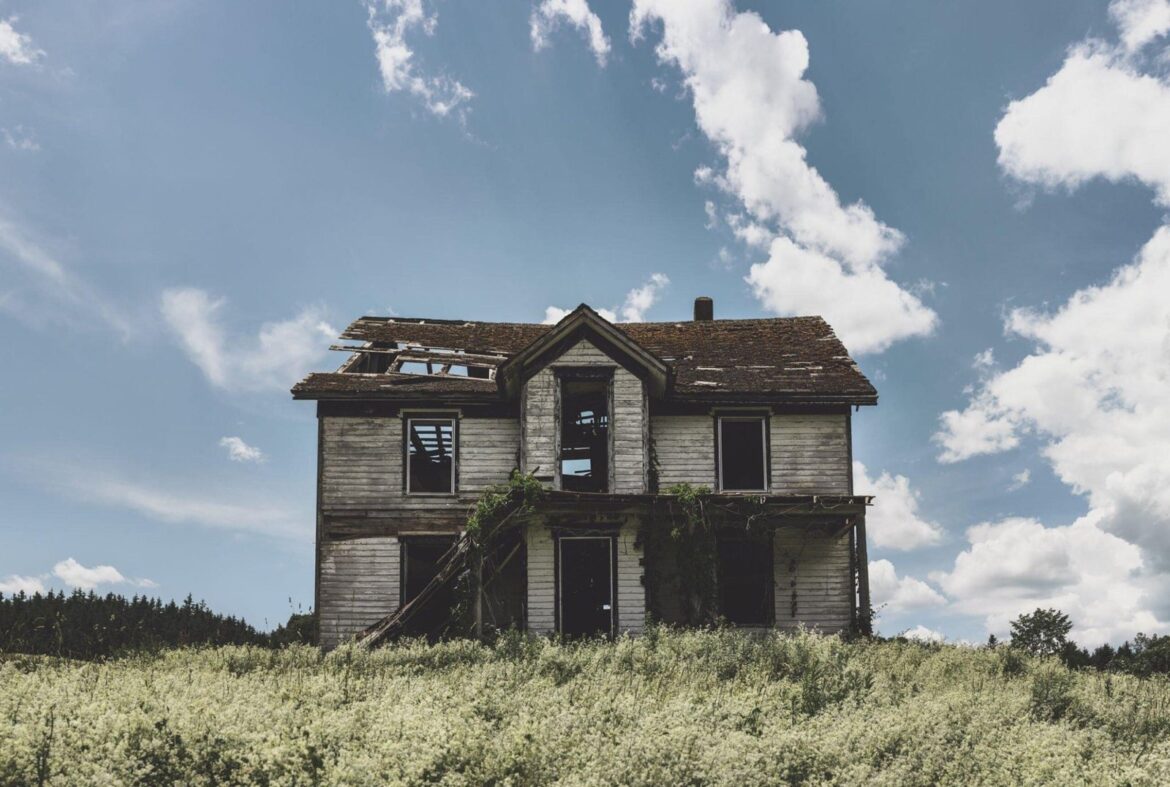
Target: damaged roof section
(782,359)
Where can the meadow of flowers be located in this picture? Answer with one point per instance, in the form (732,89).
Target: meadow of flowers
(667,708)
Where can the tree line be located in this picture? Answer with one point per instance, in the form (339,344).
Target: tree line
(85,625)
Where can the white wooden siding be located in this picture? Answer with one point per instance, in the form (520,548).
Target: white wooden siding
(810,454)
(359,586)
(684,446)
(361,461)
(631,593)
(812,576)
(627,427)
(541,580)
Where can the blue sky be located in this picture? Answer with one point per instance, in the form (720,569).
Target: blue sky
(194,197)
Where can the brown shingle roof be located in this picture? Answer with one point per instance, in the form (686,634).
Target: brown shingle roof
(785,358)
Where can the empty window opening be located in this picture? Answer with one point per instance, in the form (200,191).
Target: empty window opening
(421,558)
(444,368)
(742,456)
(744,576)
(585,435)
(430,466)
(585,591)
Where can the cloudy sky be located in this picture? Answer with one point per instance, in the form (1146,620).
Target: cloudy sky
(196,196)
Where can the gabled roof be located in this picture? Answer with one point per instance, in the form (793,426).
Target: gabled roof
(781,359)
(584,323)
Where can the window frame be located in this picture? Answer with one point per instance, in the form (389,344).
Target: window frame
(571,374)
(764,439)
(409,419)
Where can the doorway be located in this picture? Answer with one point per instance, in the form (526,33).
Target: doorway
(585,587)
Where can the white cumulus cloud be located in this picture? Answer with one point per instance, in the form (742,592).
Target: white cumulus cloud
(752,100)
(549,14)
(280,354)
(894,594)
(16,47)
(391,23)
(894,521)
(239,451)
(75,575)
(14,583)
(923,634)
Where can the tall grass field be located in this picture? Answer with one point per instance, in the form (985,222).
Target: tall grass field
(667,708)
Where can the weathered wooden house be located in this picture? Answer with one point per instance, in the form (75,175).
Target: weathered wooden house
(425,414)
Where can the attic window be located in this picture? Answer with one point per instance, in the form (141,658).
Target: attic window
(584,435)
(743,465)
(430,456)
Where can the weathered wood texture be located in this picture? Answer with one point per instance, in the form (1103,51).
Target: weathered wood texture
(362,464)
(809,453)
(359,586)
(814,584)
(631,593)
(541,579)
(628,440)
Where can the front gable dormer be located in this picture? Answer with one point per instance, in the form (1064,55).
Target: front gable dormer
(583,392)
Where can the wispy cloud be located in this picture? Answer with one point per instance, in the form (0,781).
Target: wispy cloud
(280,354)
(16,47)
(550,14)
(239,451)
(391,23)
(19,138)
(44,289)
(638,301)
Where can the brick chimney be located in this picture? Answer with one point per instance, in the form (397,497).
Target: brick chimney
(704,309)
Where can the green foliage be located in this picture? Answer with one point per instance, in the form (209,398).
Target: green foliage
(1041,633)
(670,707)
(87,626)
(522,490)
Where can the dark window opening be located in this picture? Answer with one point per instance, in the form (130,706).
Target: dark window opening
(585,435)
(431,456)
(744,574)
(421,557)
(742,463)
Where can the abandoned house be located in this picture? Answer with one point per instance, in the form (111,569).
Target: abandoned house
(695,471)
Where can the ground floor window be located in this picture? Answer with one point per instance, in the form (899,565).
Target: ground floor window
(744,576)
(421,558)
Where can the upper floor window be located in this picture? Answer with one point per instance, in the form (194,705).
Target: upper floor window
(430,456)
(743,462)
(584,456)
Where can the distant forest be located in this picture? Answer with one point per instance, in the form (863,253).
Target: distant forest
(88,626)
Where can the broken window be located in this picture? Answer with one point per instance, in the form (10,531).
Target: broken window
(430,452)
(743,463)
(585,435)
(744,575)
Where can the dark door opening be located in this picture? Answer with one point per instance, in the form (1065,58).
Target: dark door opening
(420,564)
(586,586)
(745,581)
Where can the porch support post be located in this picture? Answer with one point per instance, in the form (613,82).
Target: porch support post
(864,613)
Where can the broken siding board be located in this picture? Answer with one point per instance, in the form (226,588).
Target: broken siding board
(542,591)
(810,454)
(814,584)
(359,585)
